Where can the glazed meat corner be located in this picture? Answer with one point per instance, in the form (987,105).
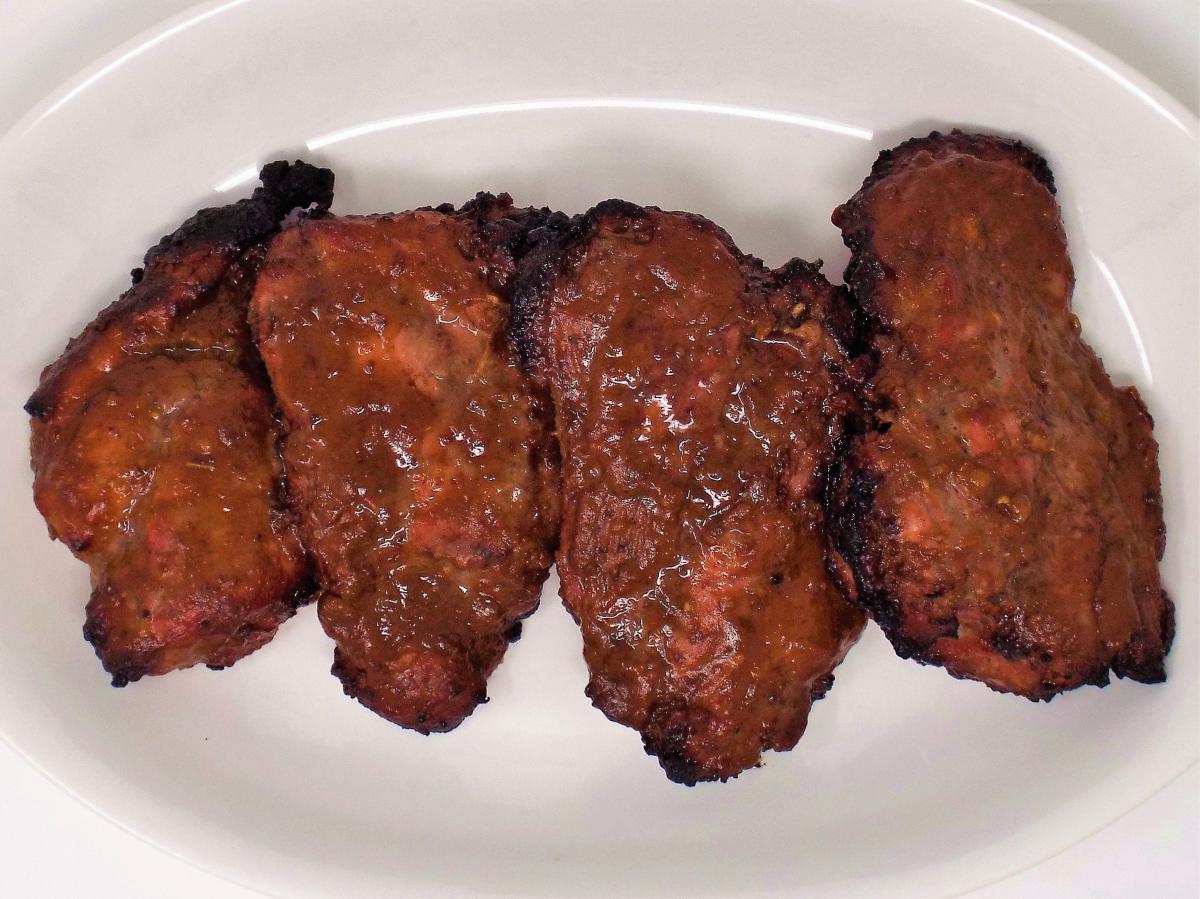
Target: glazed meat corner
(154,450)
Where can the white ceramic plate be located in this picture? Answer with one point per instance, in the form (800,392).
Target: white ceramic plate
(760,116)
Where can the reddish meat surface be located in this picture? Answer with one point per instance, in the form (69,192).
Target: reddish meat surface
(420,460)
(1002,511)
(697,402)
(155,450)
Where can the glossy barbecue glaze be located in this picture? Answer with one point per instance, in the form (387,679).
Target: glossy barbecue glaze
(1002,514)
(420,460)
(155,450)
(697,407)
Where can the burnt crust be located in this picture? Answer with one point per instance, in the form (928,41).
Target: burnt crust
(550,244)
(223,230)
(982,146)
(284,186)
(854,528)
(506,227)
(852,531)
(541,263)
(865,269)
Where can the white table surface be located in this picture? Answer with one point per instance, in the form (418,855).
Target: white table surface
(52,846)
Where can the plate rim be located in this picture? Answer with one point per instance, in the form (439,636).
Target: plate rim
(1108,63)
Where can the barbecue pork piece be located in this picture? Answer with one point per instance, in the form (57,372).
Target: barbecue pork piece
(698,398)
(155,450)
(420,460)
(1001,512)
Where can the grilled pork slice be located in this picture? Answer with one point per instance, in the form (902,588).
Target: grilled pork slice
(698,398)
(420,457)
(1002,512)
(155,449)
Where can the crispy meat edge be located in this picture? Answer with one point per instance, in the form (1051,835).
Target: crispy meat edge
(232,229)
(551,245)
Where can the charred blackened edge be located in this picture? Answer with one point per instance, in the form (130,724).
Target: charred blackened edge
(821,686)
(679,768)
(987,147)
(866,270)
(552,244)
(850,490)
(285,186)
(844,408)
(303,592)
(821,301)
(841,568)
(1167,625)
(629,215)
(1144,660)
(549,250)
(545,253)
(754,269)
(123,669)
(506,228)
(508,236)
(853,530)
(229,229)
(665,737)
(850,512)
